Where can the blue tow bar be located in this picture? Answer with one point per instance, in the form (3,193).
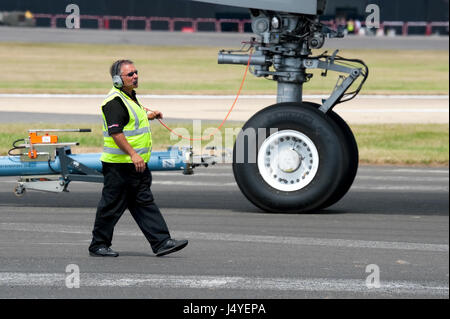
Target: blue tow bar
(43,164)
(172,160)
(55,175)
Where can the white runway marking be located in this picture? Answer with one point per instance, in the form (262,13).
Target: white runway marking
(355,187)
(396,111)
(416,179)
(412,170)
(78,243)
(13,279)
(414,188)
(194,184)
(365,188)
(202,174)
(365,177)
(305,241)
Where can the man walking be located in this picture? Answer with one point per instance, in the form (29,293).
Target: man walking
(127,150)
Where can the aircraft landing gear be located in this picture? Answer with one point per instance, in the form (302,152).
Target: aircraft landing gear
(295,156)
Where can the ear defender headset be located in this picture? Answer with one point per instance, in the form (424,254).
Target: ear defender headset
(117,79)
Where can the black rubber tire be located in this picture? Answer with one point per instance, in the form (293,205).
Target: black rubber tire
(351,156)
(304,118)
(351,150)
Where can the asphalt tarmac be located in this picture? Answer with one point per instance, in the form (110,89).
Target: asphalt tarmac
(394,222)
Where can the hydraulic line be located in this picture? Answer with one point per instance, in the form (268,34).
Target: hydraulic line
(15,147)
(226,118)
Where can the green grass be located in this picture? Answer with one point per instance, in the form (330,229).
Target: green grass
(412,144)
(83,68)
(417,144)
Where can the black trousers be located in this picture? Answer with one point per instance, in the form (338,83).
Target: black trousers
(125,188)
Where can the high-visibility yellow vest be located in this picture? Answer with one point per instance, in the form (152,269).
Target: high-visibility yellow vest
(137,132)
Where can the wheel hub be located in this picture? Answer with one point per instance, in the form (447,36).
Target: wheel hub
(288,160)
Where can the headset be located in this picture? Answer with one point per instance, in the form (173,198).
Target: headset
(117,78)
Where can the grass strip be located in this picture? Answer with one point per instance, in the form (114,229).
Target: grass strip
(83,68)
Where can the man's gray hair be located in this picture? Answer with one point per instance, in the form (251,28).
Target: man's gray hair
(116,66)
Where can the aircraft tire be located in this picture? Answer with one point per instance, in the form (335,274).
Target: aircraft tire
(289,158)
(351,152)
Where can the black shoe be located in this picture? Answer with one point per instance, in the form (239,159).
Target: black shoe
(171,246)
(103,252)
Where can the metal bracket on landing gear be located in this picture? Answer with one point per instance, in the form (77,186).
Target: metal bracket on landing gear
(341,88)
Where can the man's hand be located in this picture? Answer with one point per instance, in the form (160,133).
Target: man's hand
(138,162)
(123,144)
(152,115)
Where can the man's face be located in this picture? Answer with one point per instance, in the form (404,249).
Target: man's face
(129,76)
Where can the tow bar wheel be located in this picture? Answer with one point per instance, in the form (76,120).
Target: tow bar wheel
(288,160)
(19,190)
